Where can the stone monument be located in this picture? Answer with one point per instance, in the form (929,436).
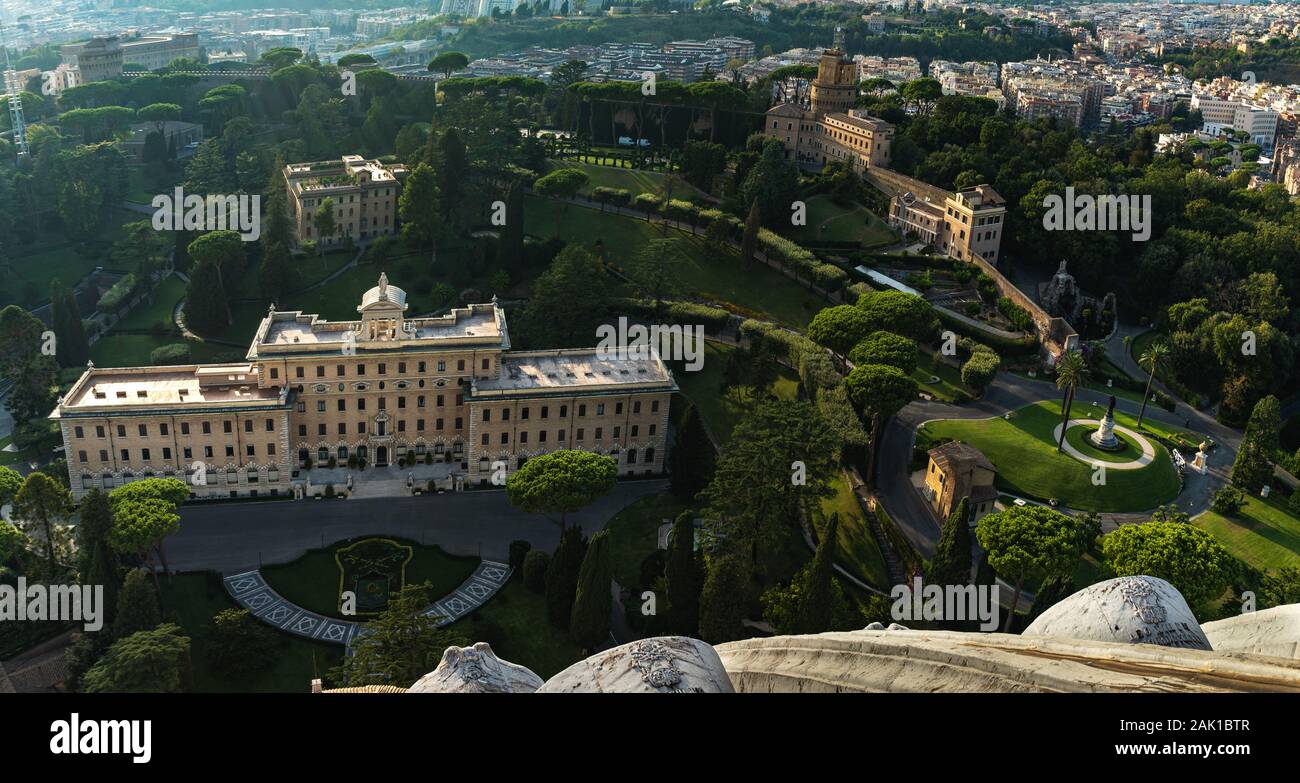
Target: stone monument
(476,670)
(1131,609)
(1104,437)
(1199,464)
(665,664)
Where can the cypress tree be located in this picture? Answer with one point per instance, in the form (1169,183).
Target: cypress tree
(749,241)
(72,349)
(692,458)
(137,606)
(97,562)
(589,621)
(722,602)
(1052,591)
(682,576)
(952,560)
(817,607)
(512,237)
(562,577)
(206,310)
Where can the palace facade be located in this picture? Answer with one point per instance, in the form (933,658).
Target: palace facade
(377,389)
(830,128)
(364,194)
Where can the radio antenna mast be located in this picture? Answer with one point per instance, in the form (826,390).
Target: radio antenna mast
(14,99)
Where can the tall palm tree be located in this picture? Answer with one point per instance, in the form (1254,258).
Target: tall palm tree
(1152,357)
(1071,371)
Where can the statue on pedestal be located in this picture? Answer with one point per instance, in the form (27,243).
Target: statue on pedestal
(1104,437)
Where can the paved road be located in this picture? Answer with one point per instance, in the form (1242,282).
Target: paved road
(236,537)
(1009,392)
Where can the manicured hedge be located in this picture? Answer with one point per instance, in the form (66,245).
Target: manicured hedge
(116,296)
(712,318)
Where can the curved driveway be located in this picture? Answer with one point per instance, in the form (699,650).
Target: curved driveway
(1009,392)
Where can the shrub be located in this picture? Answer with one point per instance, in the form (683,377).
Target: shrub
(329,490)
(518,551)
(1017,315)
(535,564)
(1228,501)
(979,369)
(173,353)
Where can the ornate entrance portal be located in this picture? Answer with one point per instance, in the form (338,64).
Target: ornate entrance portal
(381,456)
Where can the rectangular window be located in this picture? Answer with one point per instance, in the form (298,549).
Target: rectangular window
(81,456)
(227,426)
(342,405)
(636,407)
(167,452)
(320,428)
(340,370)
(99,431)
(505,438)
(383,368)
(401,368)
(460,365)
(248,425)
(505,414)
(579,435)
(523,437)
(320,406)
(121,430)
(320,371)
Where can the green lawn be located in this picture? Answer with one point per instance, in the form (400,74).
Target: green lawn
(721,411)
(634,181)
(15,457)
(29,270)
(831,222)
(702,272)
(1079,438)
(312,581)
(634,534)
(116,349)
(858,552)
(192,599)
(1028,464)
(949,384)
(1265,534)
(514,623)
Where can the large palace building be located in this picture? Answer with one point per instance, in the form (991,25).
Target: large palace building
(830,129)
(364,194)
(377,389)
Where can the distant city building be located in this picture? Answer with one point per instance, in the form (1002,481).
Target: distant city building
(1219,112)
(364,193)
(96,60)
